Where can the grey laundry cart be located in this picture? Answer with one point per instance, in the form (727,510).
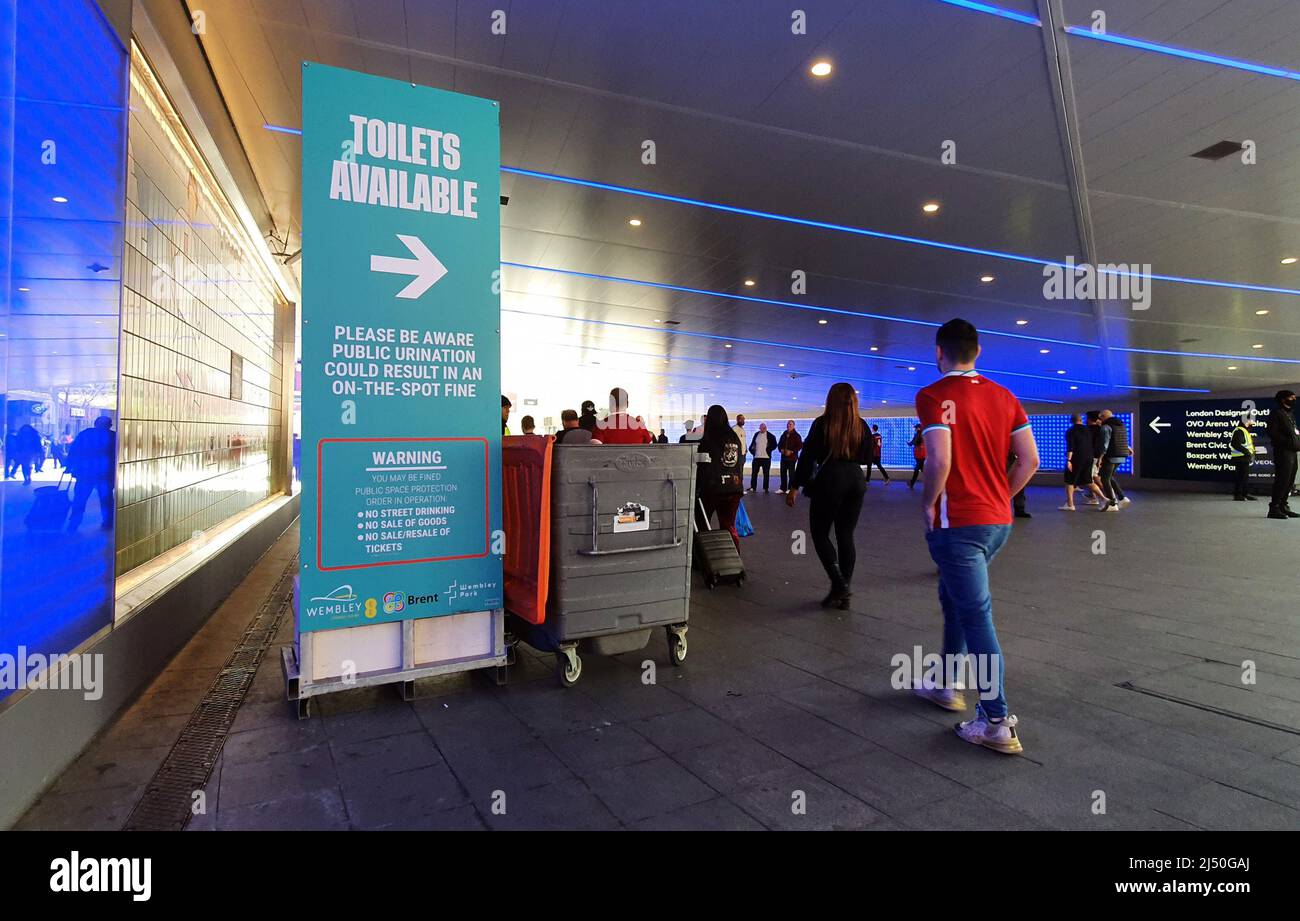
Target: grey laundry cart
(620,552)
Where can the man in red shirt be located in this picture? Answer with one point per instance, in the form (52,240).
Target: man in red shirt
(619,427)
(970,425)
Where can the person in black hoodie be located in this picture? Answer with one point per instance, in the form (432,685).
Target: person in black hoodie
(1282,432)
(830,473)
(790,445)
(722,479)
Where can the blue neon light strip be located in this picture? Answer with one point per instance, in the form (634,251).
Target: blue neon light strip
(779,303)
(1142,45)
(992,10)
(812,348)
(877,234)
(861,231)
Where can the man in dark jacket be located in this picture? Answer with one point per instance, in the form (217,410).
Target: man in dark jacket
(761,447)
(1282,432)
(1117,449)
(92,459)
(790,444)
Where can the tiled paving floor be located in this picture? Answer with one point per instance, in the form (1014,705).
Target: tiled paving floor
(781,702)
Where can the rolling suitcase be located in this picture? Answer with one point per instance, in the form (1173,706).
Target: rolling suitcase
(716,552)
(50,506)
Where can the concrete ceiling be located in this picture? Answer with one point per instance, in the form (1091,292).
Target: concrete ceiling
(723,90)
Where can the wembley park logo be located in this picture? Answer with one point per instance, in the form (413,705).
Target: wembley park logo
(1110,281)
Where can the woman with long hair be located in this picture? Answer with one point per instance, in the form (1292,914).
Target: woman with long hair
(830,474)
(721,480)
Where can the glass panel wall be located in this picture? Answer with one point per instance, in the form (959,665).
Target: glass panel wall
(203,360)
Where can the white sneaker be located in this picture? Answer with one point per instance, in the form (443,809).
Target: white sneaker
(1065,508)
(1000,736)
(1109,507)
(780,492)
(1124,502)
(949,698)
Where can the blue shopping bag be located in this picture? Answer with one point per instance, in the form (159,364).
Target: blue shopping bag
(744,527)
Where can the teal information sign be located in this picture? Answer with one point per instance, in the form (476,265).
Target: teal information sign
(401,351)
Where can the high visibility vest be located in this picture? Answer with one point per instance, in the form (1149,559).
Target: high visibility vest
(1250,443)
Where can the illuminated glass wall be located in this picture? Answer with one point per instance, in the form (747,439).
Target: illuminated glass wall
(62,144)
(1049,432)
(202,367)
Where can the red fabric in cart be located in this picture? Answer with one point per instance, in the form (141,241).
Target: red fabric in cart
(526,520)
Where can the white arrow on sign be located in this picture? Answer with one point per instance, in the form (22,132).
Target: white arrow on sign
(1157,425)
(426,267)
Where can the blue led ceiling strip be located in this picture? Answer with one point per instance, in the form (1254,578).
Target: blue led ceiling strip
(862,231)
(1127,41)
(812,348)
(879,234)
(793,304)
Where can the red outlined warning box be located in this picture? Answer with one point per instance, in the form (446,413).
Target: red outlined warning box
(320,494)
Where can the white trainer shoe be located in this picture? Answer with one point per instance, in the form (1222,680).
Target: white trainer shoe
(1124,502)
(1000,736)
(949,698)
(1065,508)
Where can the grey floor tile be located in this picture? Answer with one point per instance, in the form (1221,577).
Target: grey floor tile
(648,788)
(567,804)
(794,799)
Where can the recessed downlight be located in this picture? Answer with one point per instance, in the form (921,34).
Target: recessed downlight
(749,282)
(59,200)
(1290,260)
(781,365)
(1022,322)
(635,222)
(911,367)
(1044,351)
(821,68)
(726,345)
(930,207)
(1261,313)
(1232,367)
(24,289)
(822,322)
(986,279)
(1060,372)
(1258,345)
(875,348)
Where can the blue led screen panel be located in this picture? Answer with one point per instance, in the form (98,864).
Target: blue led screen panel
(63,78)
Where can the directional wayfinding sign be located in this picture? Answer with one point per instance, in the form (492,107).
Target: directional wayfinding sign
(401,423)
(1188,439)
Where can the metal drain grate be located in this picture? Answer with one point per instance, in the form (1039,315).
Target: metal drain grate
(168,799)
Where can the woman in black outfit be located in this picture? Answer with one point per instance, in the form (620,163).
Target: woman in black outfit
(721,481)
(830,473)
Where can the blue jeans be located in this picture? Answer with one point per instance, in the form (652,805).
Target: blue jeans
(963,556)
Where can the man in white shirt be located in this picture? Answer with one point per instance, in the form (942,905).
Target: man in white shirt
(762,447)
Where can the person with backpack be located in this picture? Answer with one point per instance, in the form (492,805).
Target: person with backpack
(1117,449)
(830,474)
(721,479)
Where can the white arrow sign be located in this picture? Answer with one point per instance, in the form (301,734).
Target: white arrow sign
(1157,425)
(426,267)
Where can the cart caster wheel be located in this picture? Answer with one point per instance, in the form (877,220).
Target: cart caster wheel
(569,667)
(710,583)
(512,653)
(304,708)
(740,581)
(501,675)
(676,648)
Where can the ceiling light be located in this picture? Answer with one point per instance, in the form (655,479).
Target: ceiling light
(911,367)
(930,207)
(822,322)
(59,200)
(1261,313)
(726,345)
(635,222)
(1258,345)
(781,365)
(24,289)
(749,282)
(1232,367)
(1060,372)
(986,278)
(1289,260)
(1022,322)
(760,388)
(821,69)
(875,348)
(1044,351)
(1074,386)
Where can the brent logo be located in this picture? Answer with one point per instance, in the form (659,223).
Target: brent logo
(632,461)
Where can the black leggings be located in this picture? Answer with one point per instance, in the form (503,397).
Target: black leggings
(837,503)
